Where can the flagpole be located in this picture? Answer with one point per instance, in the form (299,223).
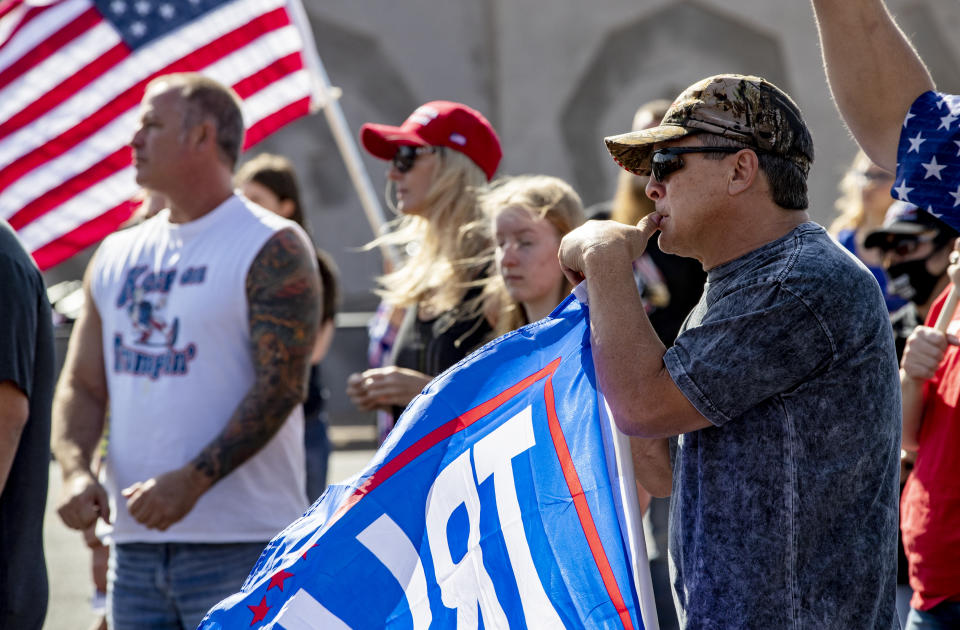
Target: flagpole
(633,521)
(616,447)
(328,98)
(949,307)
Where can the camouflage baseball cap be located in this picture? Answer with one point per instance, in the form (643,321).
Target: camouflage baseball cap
(744,108)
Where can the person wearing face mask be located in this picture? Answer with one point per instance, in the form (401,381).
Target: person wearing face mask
(915,249)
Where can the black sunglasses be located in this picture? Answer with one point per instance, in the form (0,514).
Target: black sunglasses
(906,244)
(668,160)
(407,154)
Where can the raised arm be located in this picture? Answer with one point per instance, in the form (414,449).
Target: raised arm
(873,71)
(79,409)
(283,300)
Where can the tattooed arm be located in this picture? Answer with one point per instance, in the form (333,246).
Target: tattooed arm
(283,299)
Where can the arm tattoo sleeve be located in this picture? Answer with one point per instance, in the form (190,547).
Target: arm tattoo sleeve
(283,300)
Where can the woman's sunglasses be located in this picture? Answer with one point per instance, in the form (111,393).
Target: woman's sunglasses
(407,155)
(668,160)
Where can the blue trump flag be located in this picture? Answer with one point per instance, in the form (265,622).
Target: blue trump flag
(494,501)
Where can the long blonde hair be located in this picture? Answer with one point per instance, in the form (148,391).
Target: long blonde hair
(545,197)
(853,213)
(449,250)
(630,202)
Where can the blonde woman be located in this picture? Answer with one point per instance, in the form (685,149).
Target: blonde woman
(439,157)
(530,214)
(863,203)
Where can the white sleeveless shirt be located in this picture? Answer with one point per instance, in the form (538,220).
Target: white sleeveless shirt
(176,349)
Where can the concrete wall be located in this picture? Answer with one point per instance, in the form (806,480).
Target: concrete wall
(553,77)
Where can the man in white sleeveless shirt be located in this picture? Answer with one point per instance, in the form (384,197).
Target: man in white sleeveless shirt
(196,336)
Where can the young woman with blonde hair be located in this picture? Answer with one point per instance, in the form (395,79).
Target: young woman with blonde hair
(863,204)
(529,214)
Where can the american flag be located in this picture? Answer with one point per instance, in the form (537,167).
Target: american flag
(928,168)
(72,73)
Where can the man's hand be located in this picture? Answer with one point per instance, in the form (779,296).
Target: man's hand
(604,242)
(385,387)
(82,501)
(924,351)
(160,502)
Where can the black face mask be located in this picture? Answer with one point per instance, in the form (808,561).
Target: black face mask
(911,281)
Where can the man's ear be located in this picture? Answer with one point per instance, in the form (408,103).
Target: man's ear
(204,136)
(746,167)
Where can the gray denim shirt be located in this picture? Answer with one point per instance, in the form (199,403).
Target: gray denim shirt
(784,513)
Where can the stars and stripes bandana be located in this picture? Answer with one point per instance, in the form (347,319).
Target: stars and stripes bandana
(928,158)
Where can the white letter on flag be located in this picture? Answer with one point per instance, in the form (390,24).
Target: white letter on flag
(391,546)
(492,456)
(466,584)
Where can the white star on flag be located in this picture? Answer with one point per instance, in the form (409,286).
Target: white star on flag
(903,191)
(907,119)
(915,143)
(956,197)
(933,169)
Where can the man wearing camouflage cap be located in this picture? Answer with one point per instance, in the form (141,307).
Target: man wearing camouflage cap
(774,418)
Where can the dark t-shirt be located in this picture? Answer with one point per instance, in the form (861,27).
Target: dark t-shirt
(432,346)
(684,278)
(784,514)
(27,360)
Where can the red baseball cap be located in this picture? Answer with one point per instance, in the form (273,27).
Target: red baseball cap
(439,124)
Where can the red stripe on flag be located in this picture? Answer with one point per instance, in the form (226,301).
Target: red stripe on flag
(24,19)
(268,124)
(439,434)
(198,59)
(82,23)
(122,158)
(583,508)
(58,250)
(265,76)
(103,169)
(64,90)
(6,6)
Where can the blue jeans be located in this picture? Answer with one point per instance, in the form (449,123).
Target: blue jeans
(945,616)
(317,446)
(171,586)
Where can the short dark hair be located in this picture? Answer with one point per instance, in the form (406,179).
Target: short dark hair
(788,182)
(276,174)
(205,98)
(330,277)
